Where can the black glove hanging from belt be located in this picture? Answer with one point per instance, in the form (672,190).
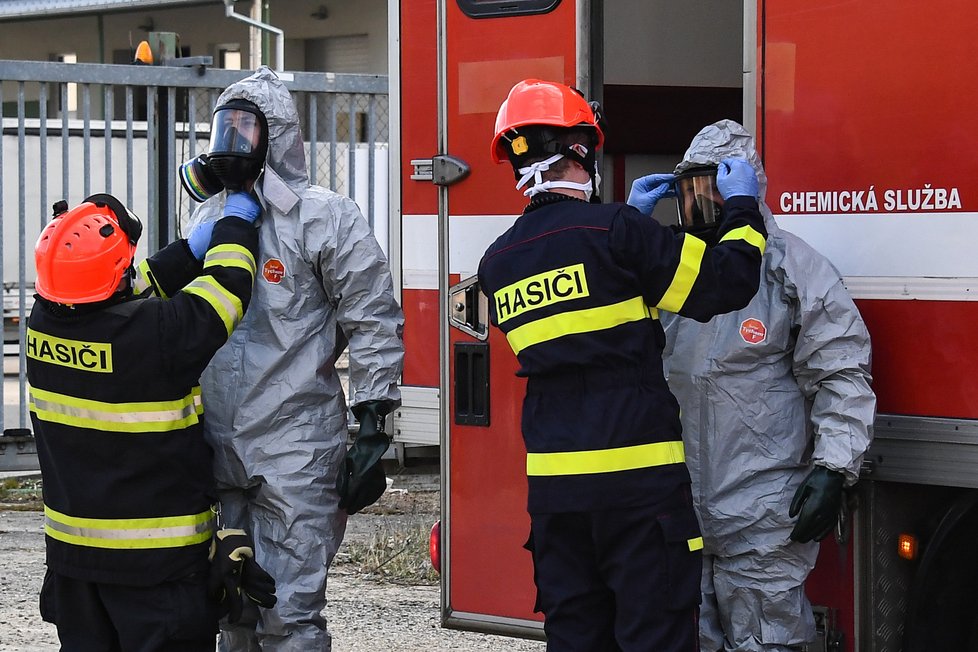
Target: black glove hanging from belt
(235,575)
(362,480)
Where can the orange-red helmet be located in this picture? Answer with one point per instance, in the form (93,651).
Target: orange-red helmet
(536,102)
(83,254)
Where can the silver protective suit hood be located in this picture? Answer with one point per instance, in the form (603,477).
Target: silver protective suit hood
(727,139)
(766,392)
(275,411)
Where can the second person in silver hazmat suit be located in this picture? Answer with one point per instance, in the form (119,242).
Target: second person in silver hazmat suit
(777,412)
(276,410)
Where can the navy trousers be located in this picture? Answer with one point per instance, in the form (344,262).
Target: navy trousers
(623,580)
(174,616)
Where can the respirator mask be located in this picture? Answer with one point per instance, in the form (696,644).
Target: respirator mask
(699,201)
(235,156)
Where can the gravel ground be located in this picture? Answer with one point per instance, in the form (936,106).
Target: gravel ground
(365,613)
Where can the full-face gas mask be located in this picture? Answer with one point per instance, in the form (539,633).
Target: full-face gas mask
(236,155)
(699,201)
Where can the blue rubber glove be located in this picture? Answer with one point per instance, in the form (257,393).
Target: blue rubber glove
(199,239)
(736,178)
(648,190)
(243,205)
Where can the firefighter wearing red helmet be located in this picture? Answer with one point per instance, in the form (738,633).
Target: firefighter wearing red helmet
(114,354)
(534,122)
(576,286)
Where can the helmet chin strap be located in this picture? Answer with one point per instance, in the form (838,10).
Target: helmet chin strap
(535,171)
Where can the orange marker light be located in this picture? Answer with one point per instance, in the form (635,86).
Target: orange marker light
(144,55)
(907,546)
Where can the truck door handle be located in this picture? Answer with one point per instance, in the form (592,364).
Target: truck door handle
(468,308)
(441,170)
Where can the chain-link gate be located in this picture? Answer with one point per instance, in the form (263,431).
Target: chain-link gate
(71,130)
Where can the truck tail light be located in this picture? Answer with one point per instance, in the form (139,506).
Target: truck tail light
(434,546)
(907,546)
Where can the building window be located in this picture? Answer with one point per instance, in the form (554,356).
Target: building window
(229,56)
(72,93)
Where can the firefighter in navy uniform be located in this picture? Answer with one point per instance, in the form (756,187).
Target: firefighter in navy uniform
(576,286)
(115,406)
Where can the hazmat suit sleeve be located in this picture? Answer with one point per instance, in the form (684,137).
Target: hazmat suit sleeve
(357,280)
(831,361)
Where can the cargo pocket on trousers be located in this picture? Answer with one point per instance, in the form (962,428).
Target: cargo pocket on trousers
(48,600)
(684,557)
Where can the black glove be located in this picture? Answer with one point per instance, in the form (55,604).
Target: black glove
(816,503)
(235,574)
(362,480)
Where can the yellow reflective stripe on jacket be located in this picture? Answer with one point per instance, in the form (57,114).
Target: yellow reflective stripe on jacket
(607,460)
(231,255)
(129,534)
(695,544)
(686,272)
(153,416)
(579,321)
(747,234)
(227,306)
(144,280)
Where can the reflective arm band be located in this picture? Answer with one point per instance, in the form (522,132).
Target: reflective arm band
(129,534)
(695,544)
(145,281)
(749,235)
(578,321)
(231,255)
(605,461)
(227,306)
(686,272)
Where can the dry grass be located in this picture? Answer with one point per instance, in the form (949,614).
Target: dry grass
(395,553)
(396,550)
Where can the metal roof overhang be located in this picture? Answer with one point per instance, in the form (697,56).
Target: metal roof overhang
(34,9)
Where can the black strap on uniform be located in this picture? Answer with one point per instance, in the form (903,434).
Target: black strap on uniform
(543,142)
(128,222)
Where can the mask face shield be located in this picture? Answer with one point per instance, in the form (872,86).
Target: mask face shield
(235,130)
(699,201)
(238,145)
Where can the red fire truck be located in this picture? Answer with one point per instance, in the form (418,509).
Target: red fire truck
(864,117)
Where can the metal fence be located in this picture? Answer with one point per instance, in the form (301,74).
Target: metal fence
(70,130)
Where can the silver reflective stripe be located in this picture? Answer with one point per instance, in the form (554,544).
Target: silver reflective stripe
(229,255)
(160,532)
(227,306)
(157,416)
(115,417)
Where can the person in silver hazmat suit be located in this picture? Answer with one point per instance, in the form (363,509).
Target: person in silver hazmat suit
(276,412)
(777,412)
